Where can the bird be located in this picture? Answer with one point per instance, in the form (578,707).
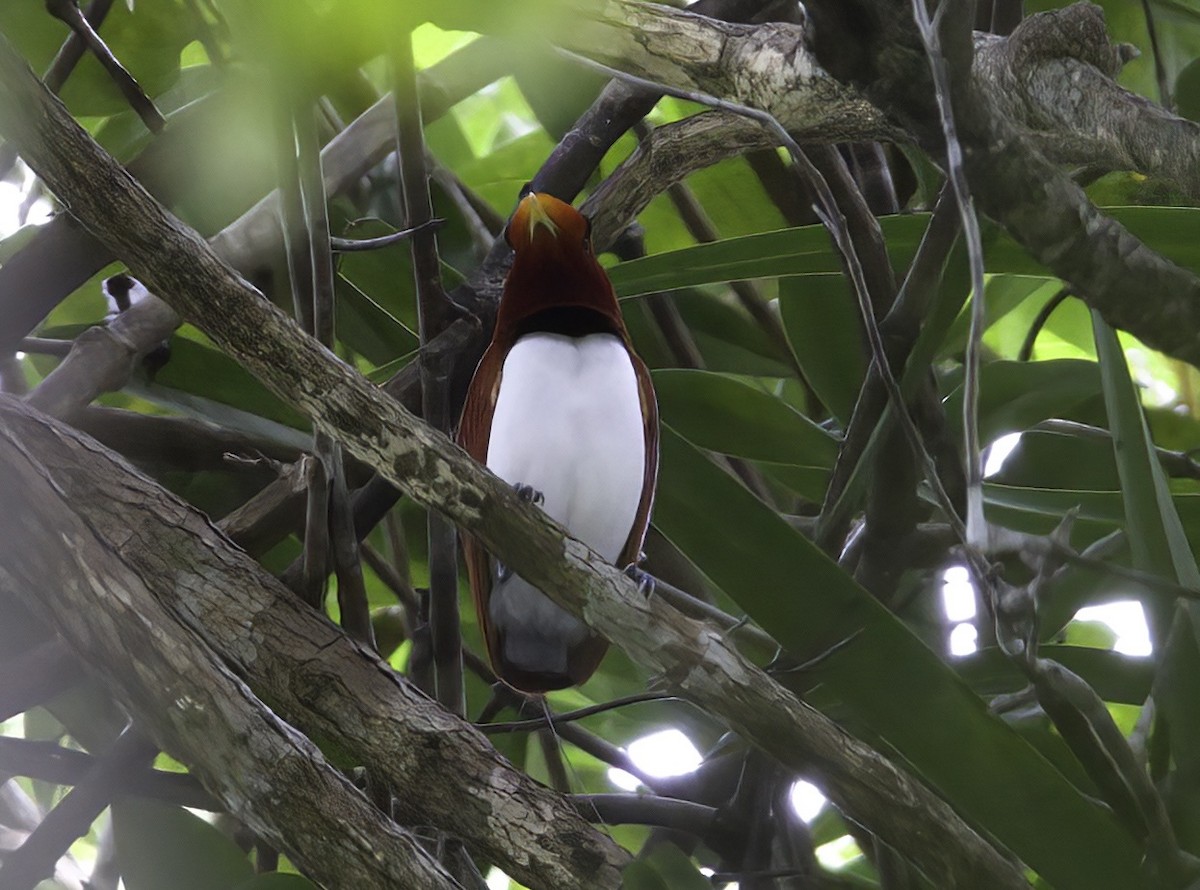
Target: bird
(562,408)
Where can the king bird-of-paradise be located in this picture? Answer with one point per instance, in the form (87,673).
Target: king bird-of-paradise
(562,408)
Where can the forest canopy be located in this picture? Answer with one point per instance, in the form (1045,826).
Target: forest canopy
(918,293)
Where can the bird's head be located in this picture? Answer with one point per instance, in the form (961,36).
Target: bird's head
(555,282)
(543,224)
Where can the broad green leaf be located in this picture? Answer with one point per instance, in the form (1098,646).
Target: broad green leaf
(1055,460)
(665,868)
(1013,396)
(160,845)
(728,338)
(891,682)
(1106,508)
(1187,91)
(804,250)
(369,329)
(1006,294)
(728,415)
(823,326)
(1153,518)
(199,369)
(1159,547)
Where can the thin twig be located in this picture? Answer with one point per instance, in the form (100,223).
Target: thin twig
(74,46)
(67,11)
(1165,99)
(976,524)
(1039,322)
(349,245)
(560,719)
(435,312)
(75,813)
(50,762)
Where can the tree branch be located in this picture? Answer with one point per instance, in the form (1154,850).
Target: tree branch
(1015,184)
(178,601)
(692,658)
(171,682)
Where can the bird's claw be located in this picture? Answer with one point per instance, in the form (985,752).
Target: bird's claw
(645,581)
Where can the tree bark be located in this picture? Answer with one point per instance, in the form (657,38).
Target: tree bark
(54,559)
(697,660)
(177,619)
(1041,95)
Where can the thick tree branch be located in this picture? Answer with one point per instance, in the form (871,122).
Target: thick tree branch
(693,658)
(1051,78)
(174,685)
(1015,184)
(122,525)
(765,66)
(1096,122)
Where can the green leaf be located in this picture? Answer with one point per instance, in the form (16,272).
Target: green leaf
(1187,91)
(665,868)
(728,338)
(160,845)
(369,329)
(724,414)
(146,38)
(887,679)
(1005,294)
(1013,396)
(1054,460)
(198,369)
(823,326)
(1159,547)
(804,250)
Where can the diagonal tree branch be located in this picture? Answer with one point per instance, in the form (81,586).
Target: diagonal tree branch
(159,575)
(696,660)
(177,690)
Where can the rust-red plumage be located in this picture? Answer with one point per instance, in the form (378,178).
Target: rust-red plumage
(555,283)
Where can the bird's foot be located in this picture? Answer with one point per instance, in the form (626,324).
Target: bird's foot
(645,581)
(529,494)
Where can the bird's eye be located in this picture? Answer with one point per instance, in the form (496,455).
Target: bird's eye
(526,189)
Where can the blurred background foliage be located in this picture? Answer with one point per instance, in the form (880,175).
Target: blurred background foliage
(752,429)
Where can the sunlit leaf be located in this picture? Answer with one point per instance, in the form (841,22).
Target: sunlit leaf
(160,845)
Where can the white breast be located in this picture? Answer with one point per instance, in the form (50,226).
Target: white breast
(568,423)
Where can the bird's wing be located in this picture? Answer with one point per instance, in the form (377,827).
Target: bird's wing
(474,432)
(631,553)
